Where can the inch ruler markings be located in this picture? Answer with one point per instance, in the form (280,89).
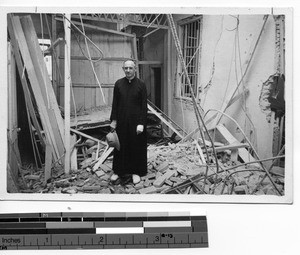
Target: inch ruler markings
(98,230)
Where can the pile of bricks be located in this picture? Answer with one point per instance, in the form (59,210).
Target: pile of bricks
(168,167)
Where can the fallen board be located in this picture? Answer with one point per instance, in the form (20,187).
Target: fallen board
(243,153)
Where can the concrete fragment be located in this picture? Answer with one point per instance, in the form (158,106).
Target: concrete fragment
(130,190)
(32,177)
(278,170)
(168,182)
(91,188)
(260,192)
(159,181)
(105,168)
(242,189)
(163,188)
(148,190)
(163,166)
(147,183)
(87,162)
(105,191)
(139,185)
(100,173)
(69,190)
(103,184)
(175,179)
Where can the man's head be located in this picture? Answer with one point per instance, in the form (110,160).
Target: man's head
(129,69)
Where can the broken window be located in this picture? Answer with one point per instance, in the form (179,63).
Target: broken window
(190,41)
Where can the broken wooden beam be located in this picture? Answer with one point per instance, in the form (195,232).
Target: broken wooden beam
(87,136)
(242,152)
(46,115)
(103,158)
(48,162)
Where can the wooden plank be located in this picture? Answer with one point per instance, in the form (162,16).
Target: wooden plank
(230,147)
(42,73)
(47,92)
(200,152)
(67,82)
(73,157)
(103,158)
(25,87)
(48,162)
(164,121)
(88,94)
(110,31)
(79,98)
(54,55)
(15,29)
(243,153)
(135,55)
(87,136)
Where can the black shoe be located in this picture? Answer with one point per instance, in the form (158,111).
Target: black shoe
(126,179)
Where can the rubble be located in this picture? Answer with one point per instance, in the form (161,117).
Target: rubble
(172,169)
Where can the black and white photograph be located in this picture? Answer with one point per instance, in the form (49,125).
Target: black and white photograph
(186,104)
(149,127)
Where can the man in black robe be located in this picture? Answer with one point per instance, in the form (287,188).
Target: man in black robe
(128,116)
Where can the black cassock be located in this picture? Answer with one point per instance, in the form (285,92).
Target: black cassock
(129,108)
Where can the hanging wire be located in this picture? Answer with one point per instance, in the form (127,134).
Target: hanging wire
(82,50)
(209,83)
(83,33)
(92,65)
(229,74)
(244,107)
(196,109)
(237,23)
(58,69)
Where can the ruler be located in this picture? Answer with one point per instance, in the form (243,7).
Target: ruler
(102,230)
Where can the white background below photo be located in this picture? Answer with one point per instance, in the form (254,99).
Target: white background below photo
(233,228)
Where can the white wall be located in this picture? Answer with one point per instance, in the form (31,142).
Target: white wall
(221,47)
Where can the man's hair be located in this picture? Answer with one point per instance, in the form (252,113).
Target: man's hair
(132,60)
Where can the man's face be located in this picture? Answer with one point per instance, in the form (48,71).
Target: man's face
(129,69)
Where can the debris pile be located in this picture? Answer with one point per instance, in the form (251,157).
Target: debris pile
(172,169)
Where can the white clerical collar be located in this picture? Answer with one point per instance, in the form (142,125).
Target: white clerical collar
(129,80)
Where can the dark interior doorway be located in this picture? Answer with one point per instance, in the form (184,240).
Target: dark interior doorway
(156,74)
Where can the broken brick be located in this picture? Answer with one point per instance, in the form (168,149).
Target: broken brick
(168,182)
(147,183)
(160,180)
(151,176)
(163,166)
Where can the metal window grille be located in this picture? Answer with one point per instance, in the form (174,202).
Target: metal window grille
(190,44)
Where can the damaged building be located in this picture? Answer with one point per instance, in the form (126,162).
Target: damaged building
(216,104)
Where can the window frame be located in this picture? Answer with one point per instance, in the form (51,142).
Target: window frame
(179,85)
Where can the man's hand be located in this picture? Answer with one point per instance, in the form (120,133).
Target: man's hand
(113,125)
(139,129)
